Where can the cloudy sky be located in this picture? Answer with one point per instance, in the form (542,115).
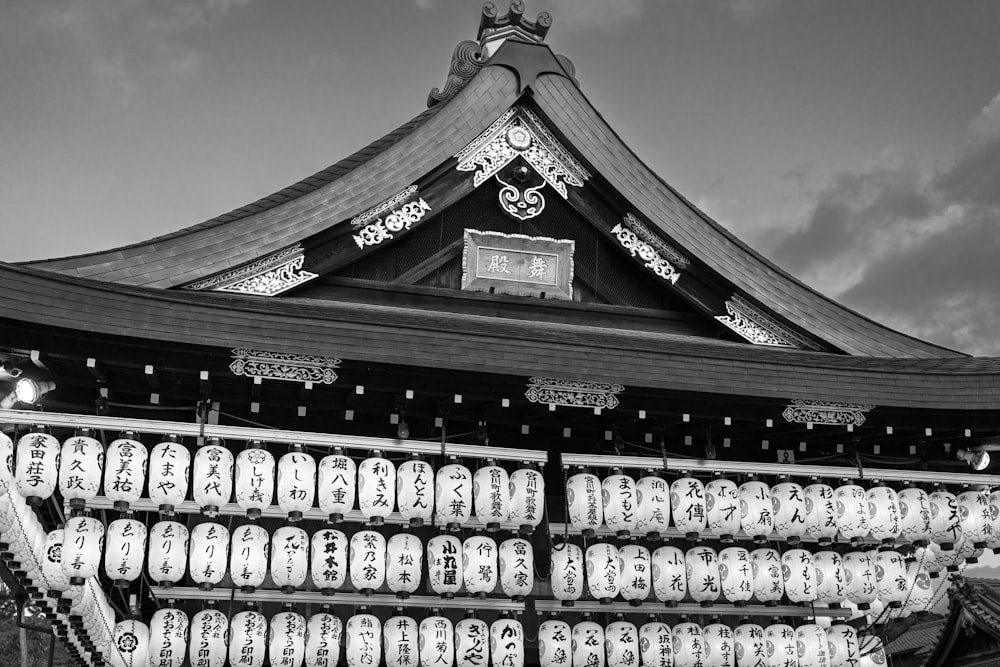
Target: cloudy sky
(855,143)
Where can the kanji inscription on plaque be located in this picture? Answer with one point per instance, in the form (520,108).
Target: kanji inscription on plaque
(517,264)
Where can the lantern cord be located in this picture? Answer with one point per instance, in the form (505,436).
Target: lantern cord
(161,408)
(237,418)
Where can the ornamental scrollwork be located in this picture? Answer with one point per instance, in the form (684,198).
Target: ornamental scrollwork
(395,222)
(650,237)
(466,61)
(757,327)
(365,217)
(521,202)
(652,260)
(823,412)
(269,276)
(573,393)
(281,366)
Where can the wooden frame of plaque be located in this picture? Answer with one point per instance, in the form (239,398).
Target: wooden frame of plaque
(517,264)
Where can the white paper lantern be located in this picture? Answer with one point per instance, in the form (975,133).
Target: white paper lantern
(254,481)
(404,561)
(125,471)
(789,501)
(656,645)
(363,646)
(635,573)
(209,554)
(993,539)
(768,581)
(337,481)
(297,483)
(890,578)
(586,507)
(472,643)
(367,558)
(479,565)
(872,652)
(444,565)
(883,510)
(125,548)
(209,636)
(689,645)
(750,645)
(945,525)
(831,579)
(844,646)
(722,505)
(80,469)
(376,489)
(756,509)
(702,568)
(168,631)
(248,557)
(799,575)
(56,579)
(453,496)
(736,575)
(588,644)
(618,495)
(852,513)
(400,640)
(813,648)
(782,650)
(861,579)
(328,560)
(948,560)
(323,640)
(669,575)
(212,478)
(415,492)
(82,548)
(567,572)
(603,574)
(36,468)
(169,469)
(719,649)
(621,644)
(437,642)
(821,513)
(247,639)
(527,498)
(555,643)
(927,560)
(914,516)
(289,558)
(687,505)
(168,547)
(920,592)
(6,463)
(517,568)
(507,643)
(129,644)
(286,641)
(975,516)
(491,496)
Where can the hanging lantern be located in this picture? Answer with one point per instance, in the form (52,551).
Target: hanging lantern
(415,495)
(323,640)
(80,468)
(750,645)
(812,645)
(588,644)
(479,565)
(914,516)
(290,558)
(527,498)
(722,506)
(781,647)
(400,639)
(584,502)
(472,644)
(883,511)
(993,539)
(669,575)
(169,468)
(872,652)
(437,642)
(861,581)
(286,641)
(621,644)
(444,565)
(507,643)
(82,548)
(367,558)
(125,547)
(919,594)
(129,644)
(948,560)
(337,485)
(975,516)
(297,483)
(517,568)
(453,496)
(212,479)
(821,513)
(363,645)
(55,578)
(789,501)
(756,509)
(555,643)
(687,504)
(799,575)
(209,634)
(852,513)
(656,647)
(248,557)
(736,575)
(719,650)
(603,574)
(6,463)
(254,482)
(168,547)
(209,554)
(702,568)
(831,579)
(636,573)
(927,560)
(689,645)
(168,631)
(404,554)
(491,496)
(944,518)
(567,568)
(36,468)
(328,560)
(247,639)
(376,488)
(619,500)
(890,578)
(125,471)
(844,646)
(768,581)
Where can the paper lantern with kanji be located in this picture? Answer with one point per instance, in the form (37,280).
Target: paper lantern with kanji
(6,463)
(472,643)
(376,489)
(944,518)
(296,488)
(444,565)
(400,641)
(586,507)
(168,632)
(404,560)
(555,643)
(479,565)
(208,638)
(517,568)
(453,496)
(689,645)
(831,579)
(289,558)
(124,550)
(212,477)
(129,644)
(323,640)
(286,639)
(636,573)
(749,645)
(914,515)
(169,468)
(872,651)
(883,514)
(768,581)
(168,547)
(756,509)
(603,571)
(719,649)
(367,558)
(656,646)
(248,557)
(209,554)
(36,468)
(890,578)
(799,575)
(702,568)
(81,462)
(821,512)
(506,643)
(491,496)
(652,503)
(588,644)
(527,498)
(687,506)
(125,471)
(567,572)
(975,516)
(337,480)
(618,494)
(789,503)
(844,646)
(363,644)
(254,481)
(669,575)
(919,592)
(781,648)
(852,513)
(437,642)
(993,541)
(247,639)
(415,492)
(82,548)
(862,586)
(813,649)
(736,575)
(621,644)
(722,507)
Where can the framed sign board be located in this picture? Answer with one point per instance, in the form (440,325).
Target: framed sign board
(517,264)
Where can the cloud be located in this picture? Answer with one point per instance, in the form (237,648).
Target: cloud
(587,15)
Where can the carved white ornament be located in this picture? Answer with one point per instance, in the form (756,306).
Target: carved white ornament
(281,366)
(395,222)
(759,328)
(573,393)
(364,218)
(647,253)
(823,412)
(650,237)
(271,275)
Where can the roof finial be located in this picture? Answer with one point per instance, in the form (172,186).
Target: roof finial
(493,29)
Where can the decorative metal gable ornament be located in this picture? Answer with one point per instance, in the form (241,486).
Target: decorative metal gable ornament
(825,412)
(269,276)
(573,393)
(403,213)
(281,366)
(759,328)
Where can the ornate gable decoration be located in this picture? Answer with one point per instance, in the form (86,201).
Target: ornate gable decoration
(573,393)
(404,212)
(274,274)
(659,257)
(759,328)
(281,366)
(823,412)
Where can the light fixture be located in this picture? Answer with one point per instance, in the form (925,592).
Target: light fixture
(9,369)
(29,391)
(979,460)
(403,429)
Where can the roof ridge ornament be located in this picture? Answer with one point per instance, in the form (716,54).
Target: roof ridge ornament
(268,276)
(759,328)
